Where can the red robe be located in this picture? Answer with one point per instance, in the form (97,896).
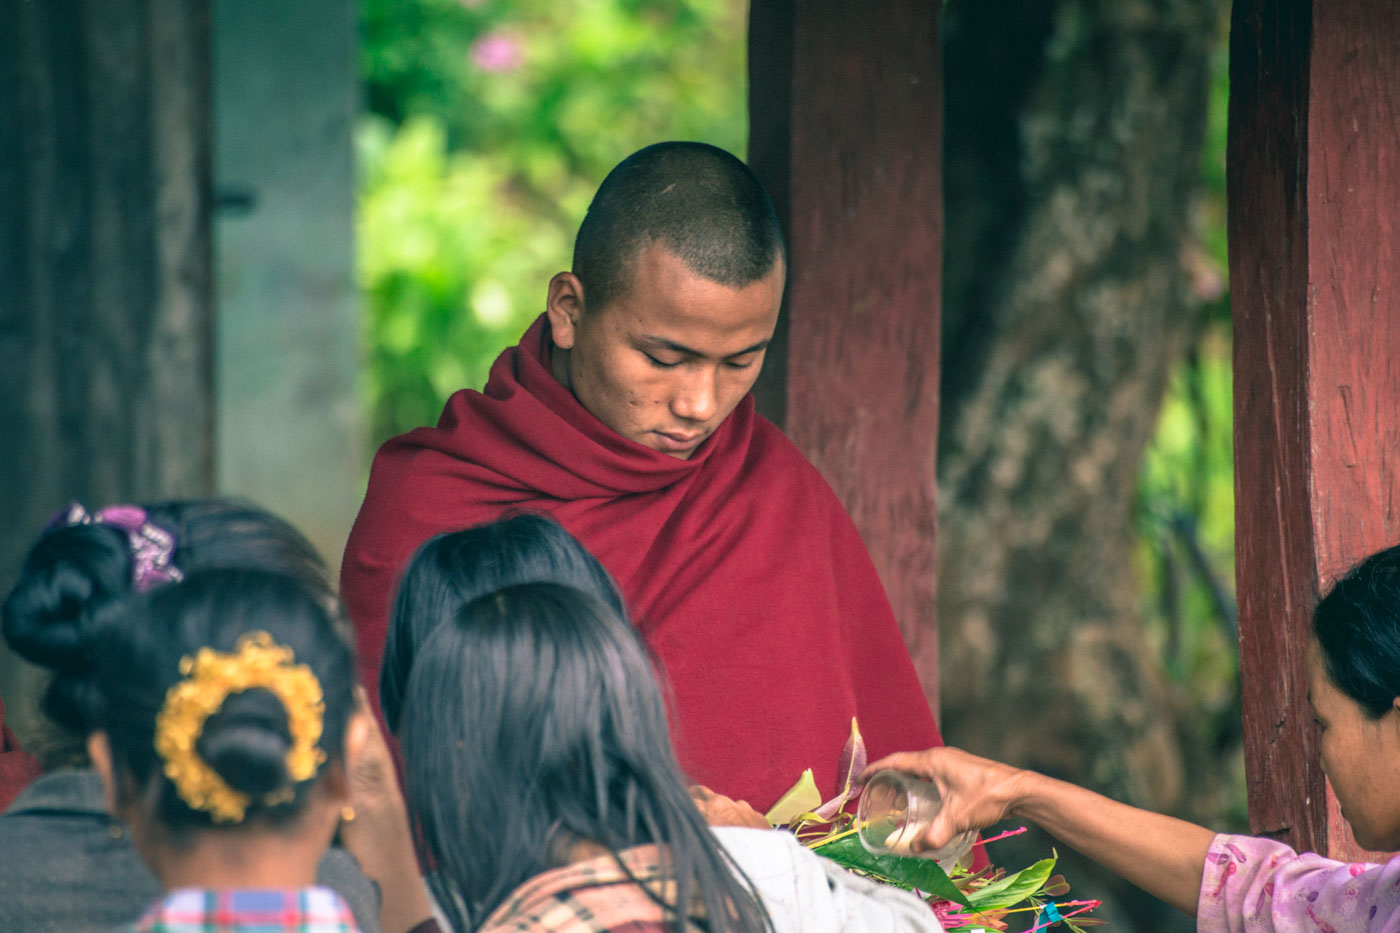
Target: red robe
(17,768)
(742,570)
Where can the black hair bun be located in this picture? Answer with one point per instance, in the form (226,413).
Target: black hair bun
(246,743)
(67,578)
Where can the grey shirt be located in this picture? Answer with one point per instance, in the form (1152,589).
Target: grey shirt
(63,869)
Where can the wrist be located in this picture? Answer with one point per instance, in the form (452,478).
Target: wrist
(1022,790)
(406,903)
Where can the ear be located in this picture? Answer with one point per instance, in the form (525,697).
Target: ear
(357,735)
(100,752)
(565,308)
(340,780)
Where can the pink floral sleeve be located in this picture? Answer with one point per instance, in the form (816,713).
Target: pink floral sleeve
(1254,885)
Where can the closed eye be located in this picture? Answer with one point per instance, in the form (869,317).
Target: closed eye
(743,362)
(661,364)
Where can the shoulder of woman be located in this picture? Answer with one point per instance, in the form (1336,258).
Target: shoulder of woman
(1266,885)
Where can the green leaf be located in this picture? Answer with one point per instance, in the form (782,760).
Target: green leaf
(1014,888)
(904,871)
(801,798)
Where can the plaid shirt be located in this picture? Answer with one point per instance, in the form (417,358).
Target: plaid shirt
(594,896)
(196,910)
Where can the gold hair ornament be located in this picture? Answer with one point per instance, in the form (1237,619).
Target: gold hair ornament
(210,677)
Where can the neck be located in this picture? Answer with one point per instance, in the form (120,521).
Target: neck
(582,850)
(559,366)
(244,858)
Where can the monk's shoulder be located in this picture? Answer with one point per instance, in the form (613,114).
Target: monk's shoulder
(457,433)
(428,479)
(774,458)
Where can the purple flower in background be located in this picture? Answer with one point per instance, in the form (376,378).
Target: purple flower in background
(496,53)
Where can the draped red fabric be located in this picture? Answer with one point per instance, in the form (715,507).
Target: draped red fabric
(741,568)
(17,768)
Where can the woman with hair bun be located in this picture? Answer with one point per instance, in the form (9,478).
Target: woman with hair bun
(226,724)
(64,863)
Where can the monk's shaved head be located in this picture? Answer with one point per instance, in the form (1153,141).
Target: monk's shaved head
(700,202)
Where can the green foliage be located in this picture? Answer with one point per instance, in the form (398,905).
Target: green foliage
(923,875)
(450,270)
(1014,888)
(964,901)
(491,125)
(1186,513)
(1185,504)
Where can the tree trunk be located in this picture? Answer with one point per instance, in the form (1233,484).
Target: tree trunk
(1073,136)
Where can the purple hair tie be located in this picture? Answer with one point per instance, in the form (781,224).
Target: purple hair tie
(152,547)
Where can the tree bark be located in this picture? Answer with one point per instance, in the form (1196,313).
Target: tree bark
(1073,136)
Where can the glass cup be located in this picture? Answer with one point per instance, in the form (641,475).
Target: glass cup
(896,809)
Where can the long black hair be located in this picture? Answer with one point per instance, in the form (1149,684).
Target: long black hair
(1357,626)
(532,721)
(450,570)
(77,577)
(247,741)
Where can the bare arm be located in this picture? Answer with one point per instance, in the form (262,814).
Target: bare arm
(1160,854)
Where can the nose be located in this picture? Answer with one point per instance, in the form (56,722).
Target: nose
(697,399)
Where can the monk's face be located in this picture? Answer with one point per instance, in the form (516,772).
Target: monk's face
(666,362)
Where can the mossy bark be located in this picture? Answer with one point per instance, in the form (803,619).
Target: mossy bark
(1073,137)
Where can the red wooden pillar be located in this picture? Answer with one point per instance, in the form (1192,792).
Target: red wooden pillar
(1314,179)
(845,118)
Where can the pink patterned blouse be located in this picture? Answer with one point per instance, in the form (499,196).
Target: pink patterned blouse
(1254,885)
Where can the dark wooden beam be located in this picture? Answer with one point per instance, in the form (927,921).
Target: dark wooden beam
(105,305)
(1314,178)
(845,117)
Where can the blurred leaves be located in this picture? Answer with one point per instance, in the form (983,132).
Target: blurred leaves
(1185,505)
(491,125)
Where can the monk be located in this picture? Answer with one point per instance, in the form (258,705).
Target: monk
(625,413)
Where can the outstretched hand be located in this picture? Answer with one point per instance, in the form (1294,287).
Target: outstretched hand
(976,792)
(1161,854)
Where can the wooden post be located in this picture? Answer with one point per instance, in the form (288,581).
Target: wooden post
(845,117)
(1314,178)
(290,424)
(105,312)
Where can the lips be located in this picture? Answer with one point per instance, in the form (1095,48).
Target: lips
(676,443)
